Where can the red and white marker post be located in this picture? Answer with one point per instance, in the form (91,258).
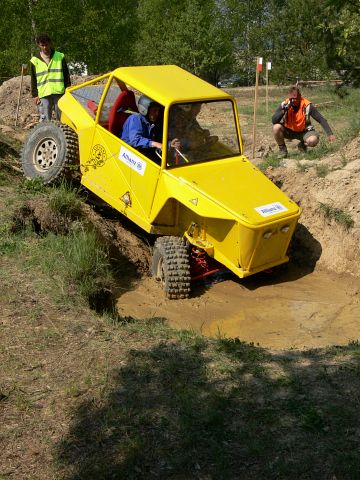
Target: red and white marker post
(268,67)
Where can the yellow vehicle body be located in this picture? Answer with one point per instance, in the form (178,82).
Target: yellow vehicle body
(225,207)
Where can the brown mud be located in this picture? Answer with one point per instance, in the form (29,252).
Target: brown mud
(274,310)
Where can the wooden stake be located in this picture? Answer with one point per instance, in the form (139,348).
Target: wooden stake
(23,69)
(266,88)
(255,106)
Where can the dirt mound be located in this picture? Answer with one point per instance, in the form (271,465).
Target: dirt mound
(330,206)
(9,96)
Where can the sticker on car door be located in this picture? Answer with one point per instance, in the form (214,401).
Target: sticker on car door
(133,161)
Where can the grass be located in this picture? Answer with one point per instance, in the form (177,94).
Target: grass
(33,185)
(82,265)
(81,259)
(84,258)
(322,170)
(226,423)
(336,214)
(271,161)
(136,399)
(65,200)
(300,167)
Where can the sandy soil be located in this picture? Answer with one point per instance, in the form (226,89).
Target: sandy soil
(313,301)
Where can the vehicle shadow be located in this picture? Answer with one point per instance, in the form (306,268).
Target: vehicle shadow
(224,409)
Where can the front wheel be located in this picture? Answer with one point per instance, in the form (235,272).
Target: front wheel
(49,150)
(171,266)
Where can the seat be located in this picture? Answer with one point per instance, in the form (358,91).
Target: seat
(119,111)
(92,106)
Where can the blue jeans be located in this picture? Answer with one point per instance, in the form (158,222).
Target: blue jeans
(47,105)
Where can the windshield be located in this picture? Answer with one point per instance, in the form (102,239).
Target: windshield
(201,132)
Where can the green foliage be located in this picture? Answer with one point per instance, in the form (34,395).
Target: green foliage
(341,28)
(15,36)
(341,217)
(210,38)
(191,36)
(296,46)
(65,201)
(81,261)
(322,170)
(281,32)
(271,161)
(8,242)
(32,185)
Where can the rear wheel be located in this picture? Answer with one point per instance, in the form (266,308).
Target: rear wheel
(49,151)
(171,266)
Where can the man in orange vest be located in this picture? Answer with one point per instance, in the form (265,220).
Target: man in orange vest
(292,121)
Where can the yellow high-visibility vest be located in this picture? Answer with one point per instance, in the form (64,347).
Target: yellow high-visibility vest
(49,78)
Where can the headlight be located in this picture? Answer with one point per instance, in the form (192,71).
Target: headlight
(267,234)
(284,229)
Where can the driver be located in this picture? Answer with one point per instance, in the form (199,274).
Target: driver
(143,130)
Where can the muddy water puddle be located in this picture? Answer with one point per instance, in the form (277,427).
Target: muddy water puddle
(275,311)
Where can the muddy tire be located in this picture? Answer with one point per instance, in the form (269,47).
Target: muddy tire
(170,266)
(49,151)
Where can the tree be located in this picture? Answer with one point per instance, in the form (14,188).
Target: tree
(99,33)
(342,33)
(188,33)
(246,22)
(15,36)
(297,46)
(283,32)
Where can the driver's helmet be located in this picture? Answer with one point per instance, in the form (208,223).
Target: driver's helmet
(144,103)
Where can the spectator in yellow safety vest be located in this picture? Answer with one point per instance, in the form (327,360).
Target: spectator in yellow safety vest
(49,78)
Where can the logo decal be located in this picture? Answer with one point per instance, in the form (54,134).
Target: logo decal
(97,158)
(271,209)
(132,160)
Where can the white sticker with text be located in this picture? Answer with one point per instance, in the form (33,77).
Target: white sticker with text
(132,160)
(271,209)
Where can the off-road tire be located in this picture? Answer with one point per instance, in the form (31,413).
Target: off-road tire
(50,151)
(171,266)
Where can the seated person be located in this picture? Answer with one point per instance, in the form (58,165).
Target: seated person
(194,140)
(141,130)
(177,130)
(198,137)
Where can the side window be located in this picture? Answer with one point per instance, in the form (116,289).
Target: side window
(89,96)
(118,105)
(111,95)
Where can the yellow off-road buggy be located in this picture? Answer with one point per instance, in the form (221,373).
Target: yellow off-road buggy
(203,200)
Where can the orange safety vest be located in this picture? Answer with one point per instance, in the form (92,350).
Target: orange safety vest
(298,120)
